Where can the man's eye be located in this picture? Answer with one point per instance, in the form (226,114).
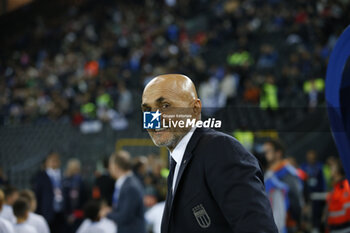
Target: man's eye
(165,106)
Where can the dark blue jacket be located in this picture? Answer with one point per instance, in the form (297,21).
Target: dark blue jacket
(129,213)
(219,188)
(74,193)
(45,196)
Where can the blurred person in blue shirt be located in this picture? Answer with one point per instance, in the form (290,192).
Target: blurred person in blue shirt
(47,186)
(74,194)
(286,179)
(316,183)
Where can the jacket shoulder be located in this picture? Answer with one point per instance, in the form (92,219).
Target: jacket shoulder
(214,145)
(219,140)
(133,185)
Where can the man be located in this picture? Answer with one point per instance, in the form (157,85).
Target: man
(104,184)
(214,184)
(35,220)
(74,194)
(11,195)
(127,202)
(21,211)
(316,184)
(288,175)
(48,192)
(5,225)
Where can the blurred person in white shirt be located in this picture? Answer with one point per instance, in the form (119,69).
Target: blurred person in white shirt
(5,225)
(21,211)
(35,220)
(154,216)
(93,222)
(155,202)
(11,195)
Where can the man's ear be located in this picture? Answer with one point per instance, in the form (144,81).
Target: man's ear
(197,108)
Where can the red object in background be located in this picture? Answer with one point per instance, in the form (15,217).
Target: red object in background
(252,94)
(91,68)
(301,17)
(96,193)
(78,214)
(183,36)
(302,175)
(338,204)
(200,38)
(77,119)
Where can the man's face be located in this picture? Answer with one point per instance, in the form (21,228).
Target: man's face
(270,153)
(113,169)
(53,162)
(311,157)
(169,101)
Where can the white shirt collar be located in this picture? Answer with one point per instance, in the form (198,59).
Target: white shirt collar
(53,172)
(119,183)
(179,151)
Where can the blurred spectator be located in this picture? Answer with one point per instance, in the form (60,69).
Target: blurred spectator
(314,89)
(240,58)
(11,195)
(229,86)
(306,223)
(104,184)
(277,192)
(338,201)
(269,98)
(93,222)
(127,205)
(268,57)
(21,210)
(316,183)
(211,96)
(154,214)
(35,220)
(48,192)
(245,137)
(287,174)
(5,225)
(3,178)
(125,104)
(74,193)
(140,168)
(150,198)
(251,92)
(327,171)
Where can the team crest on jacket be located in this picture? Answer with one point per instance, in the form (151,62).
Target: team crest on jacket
(202,216)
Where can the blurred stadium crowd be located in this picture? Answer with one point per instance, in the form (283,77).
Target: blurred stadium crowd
(90,63)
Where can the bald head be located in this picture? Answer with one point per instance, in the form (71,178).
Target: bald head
(174,84)
(171,94)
